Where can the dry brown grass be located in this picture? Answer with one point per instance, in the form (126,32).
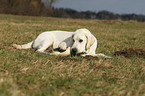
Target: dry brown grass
(26,73)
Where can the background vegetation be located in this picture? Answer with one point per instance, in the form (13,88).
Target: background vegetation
(26,73)
(37,8)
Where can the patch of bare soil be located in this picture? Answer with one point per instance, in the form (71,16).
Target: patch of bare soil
(130,52)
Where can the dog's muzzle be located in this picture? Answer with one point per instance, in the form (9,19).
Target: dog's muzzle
(74,52)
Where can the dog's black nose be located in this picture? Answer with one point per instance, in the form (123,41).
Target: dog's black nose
(74,51)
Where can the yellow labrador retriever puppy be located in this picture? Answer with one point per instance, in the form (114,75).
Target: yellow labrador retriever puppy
(79,42)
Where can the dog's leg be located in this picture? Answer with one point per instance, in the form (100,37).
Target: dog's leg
(41,50)
(24,46)
(98,55)
(103,55)
(44,45)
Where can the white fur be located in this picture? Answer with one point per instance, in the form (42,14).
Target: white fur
(89,41)
(55,38)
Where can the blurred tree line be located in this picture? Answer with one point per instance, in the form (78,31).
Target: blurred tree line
(37,8)
(25,7)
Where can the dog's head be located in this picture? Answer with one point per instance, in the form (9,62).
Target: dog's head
(82,41)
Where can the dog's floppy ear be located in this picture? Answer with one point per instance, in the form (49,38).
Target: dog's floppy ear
(90,40)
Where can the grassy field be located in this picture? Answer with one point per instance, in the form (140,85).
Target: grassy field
(26,73)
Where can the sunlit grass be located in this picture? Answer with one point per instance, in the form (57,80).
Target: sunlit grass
(26,73)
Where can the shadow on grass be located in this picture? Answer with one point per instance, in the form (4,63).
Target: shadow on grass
(76,58)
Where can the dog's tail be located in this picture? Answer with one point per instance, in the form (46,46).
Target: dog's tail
(24,46)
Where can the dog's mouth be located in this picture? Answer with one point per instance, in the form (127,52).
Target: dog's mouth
(77,54)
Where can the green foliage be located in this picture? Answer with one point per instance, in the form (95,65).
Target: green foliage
(26,73)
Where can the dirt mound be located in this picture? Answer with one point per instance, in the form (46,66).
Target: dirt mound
(130,52)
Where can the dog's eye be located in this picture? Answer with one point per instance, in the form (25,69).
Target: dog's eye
(73,40)
(80,40)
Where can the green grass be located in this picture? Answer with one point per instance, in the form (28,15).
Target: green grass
(26,73)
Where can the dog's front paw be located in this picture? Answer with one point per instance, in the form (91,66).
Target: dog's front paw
(16,46)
